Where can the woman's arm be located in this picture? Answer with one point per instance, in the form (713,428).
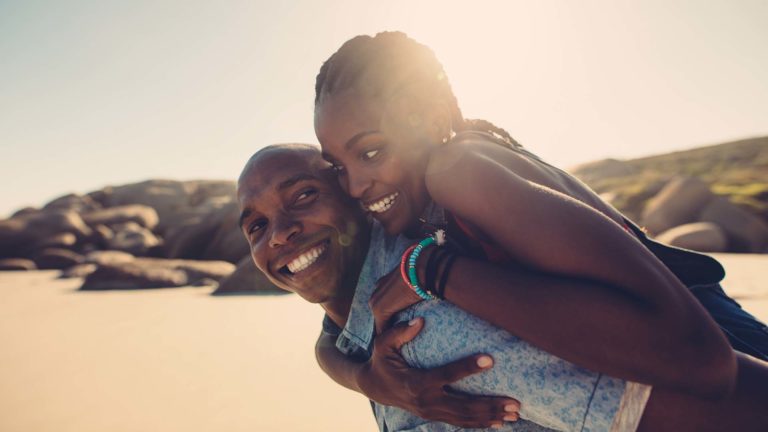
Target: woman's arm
(644,323)
(388,380)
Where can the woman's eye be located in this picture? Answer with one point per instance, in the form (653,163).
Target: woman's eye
(370,154)
(338,169)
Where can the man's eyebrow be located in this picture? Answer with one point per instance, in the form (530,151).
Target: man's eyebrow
(352,141)
(243,216)
(295,179)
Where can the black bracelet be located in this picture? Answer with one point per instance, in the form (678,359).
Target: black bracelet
(446,270)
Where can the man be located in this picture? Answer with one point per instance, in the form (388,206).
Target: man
(308,237)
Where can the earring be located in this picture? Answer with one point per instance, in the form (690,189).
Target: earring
(445,140)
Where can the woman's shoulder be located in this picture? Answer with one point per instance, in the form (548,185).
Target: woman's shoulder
(468,152)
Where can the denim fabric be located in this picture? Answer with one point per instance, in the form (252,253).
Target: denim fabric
(744,332)
(554,394)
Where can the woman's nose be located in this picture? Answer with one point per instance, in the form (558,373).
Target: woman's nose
(358,184)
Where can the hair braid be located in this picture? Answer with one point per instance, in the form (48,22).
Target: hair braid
(389,62)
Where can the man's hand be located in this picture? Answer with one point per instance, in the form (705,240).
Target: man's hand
(388,380)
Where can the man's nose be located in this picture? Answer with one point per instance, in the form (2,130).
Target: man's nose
(284,230)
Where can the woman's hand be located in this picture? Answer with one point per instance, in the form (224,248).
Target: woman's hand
(390,297)
(387,379)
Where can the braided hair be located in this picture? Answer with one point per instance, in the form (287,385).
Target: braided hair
(391,62)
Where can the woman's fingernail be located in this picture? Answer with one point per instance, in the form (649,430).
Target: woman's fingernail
(511,417)
(497,425)
(413,322)
(511,408)
(484,362)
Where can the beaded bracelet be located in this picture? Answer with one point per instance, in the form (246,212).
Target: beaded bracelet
(411,255)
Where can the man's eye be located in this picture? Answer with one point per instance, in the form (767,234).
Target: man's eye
(256,226)
(338,169)
(305,196)
(370,154)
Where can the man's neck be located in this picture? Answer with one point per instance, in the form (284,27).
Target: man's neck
(338,310)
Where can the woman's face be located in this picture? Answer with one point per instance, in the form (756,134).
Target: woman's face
(380,152)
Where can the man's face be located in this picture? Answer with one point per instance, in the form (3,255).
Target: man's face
(305,234)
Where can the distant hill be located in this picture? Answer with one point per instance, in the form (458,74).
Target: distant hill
(736,169)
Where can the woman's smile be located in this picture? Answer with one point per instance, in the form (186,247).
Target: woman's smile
(382,205)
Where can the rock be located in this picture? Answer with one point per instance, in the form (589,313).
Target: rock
(747,232)
(102,235)
(246,278)
(122,276)
(195,270)
(228,242)
(134,239)
(18,235)
(678,203)
(78,271)
(26,211)
(108,257)
(63,240)
(140,214)
(202,236)
(127,272)
(57,259)
(175,202)
(78,203)
(698,236)
(9,264)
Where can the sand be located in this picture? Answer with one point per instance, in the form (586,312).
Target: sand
(181,360)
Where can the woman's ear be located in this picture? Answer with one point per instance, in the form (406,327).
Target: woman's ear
(440,121)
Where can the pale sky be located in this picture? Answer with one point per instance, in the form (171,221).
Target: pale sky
(98,92)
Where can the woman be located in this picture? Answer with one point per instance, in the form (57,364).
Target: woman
(387,119)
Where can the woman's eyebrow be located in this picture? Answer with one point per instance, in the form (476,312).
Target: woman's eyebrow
(352,141)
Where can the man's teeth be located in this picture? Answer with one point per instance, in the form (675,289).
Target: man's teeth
(306,259)
(383,204)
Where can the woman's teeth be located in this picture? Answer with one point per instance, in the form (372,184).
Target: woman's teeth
(306,259)
(383,204)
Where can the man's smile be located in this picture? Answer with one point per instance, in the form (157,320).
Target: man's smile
(303,259)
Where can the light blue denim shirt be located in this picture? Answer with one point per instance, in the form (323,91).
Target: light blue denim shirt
(554,394)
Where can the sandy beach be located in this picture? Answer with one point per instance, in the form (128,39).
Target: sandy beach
(182,360)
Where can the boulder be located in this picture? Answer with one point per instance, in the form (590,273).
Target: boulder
(246,279)
(64,240)
(102,235)
(140,214)
(698,236)
(747,232)
(78,203)
(134,239)
(19,235)
(8,264)
(108,257)
(129,275)
(26,211)
(205,236)
(678,203)
(57,259)
(175,201)
(78,271)
(228,242)
(195,270)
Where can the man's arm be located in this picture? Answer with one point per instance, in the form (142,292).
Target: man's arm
(388,380)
